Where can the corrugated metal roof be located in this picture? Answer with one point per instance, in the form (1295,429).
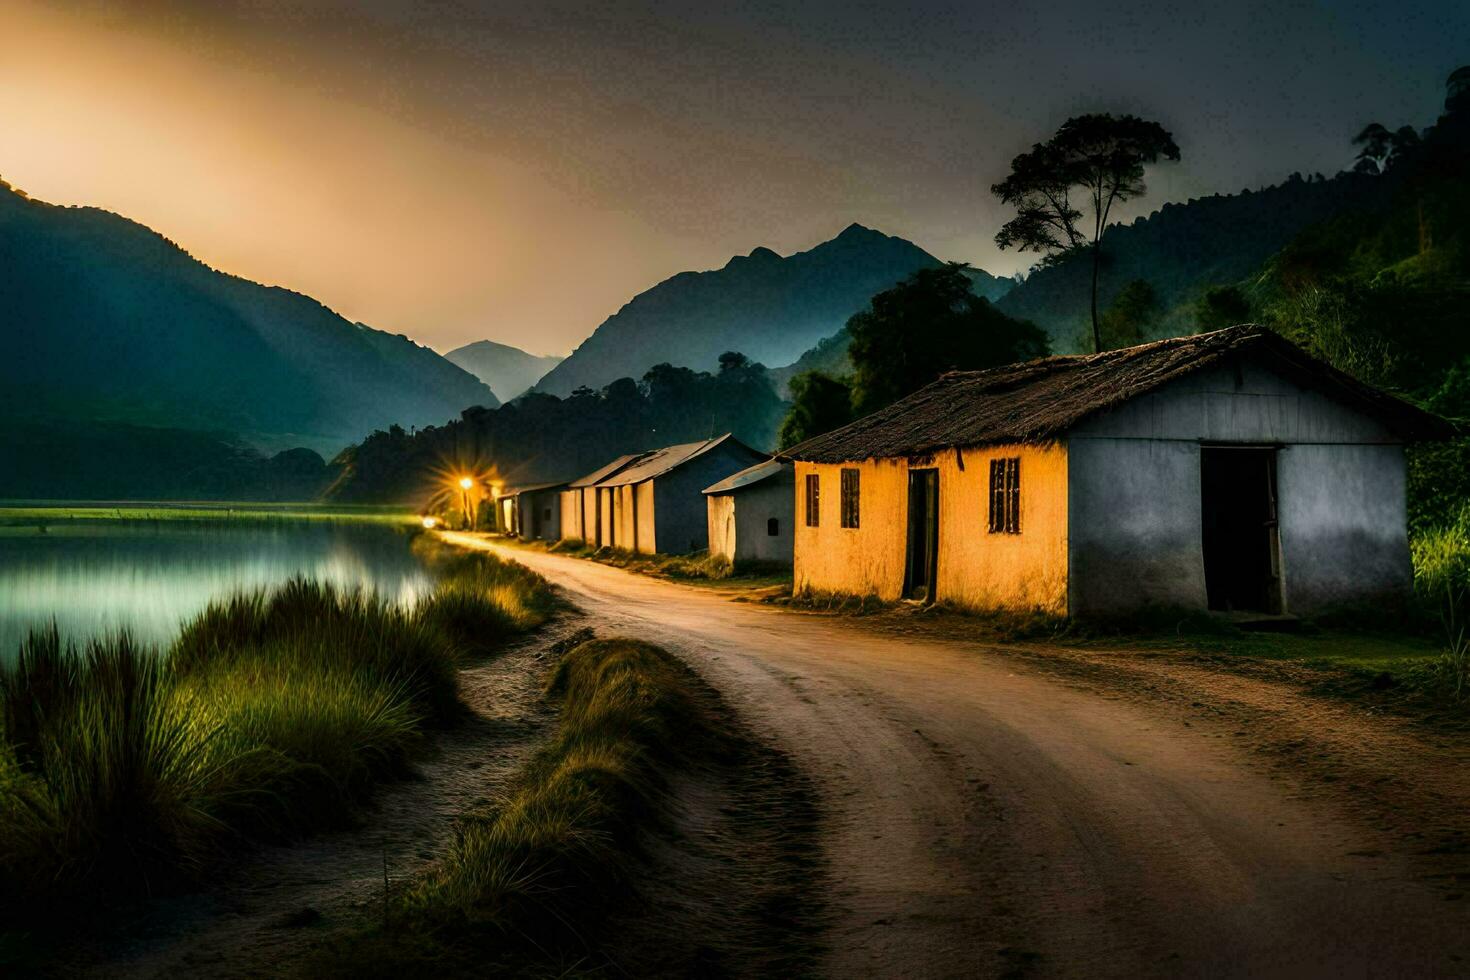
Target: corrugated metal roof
(748,476)
(1039,400)
(517,491)
(660,461)
(598,475)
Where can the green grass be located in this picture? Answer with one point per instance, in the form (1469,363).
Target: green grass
(530,880)
(126,771)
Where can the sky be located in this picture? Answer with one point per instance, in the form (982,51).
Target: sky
(459,170)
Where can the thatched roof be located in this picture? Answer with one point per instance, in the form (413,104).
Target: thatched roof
(1038,401)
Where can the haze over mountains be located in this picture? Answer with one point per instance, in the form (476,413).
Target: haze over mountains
(509,371)
(105,320)
(768,307)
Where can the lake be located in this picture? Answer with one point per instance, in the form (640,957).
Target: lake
(149,576)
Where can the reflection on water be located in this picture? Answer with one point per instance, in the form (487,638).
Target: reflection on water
(150,576)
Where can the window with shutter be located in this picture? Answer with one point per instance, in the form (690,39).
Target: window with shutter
(813,500)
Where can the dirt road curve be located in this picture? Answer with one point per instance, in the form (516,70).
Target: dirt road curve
(985,819)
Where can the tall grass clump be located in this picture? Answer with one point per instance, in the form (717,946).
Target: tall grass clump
(1442,579)
(537,872)
(104,783)
(518,599)
(126,770)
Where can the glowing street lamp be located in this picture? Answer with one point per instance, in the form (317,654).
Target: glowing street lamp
(464,485)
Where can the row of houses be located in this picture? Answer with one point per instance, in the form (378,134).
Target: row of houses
(663,501)
(1227,471)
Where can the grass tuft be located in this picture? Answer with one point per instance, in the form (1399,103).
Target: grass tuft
(531,878)
(125,771)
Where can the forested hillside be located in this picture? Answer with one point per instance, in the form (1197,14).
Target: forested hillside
(105,320)
(1179,251)
(1382,291)
(542,438)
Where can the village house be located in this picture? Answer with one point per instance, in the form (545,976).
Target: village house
(750,514)
(531,513)
(656,503)
(579,511)
(1228,471)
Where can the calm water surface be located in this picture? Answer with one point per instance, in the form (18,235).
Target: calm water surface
(150,576)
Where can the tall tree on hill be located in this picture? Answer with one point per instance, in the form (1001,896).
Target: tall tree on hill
(928,324)
(819,403)
(1381,148)
(1103,155)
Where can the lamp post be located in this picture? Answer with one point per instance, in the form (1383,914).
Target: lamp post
(464,485)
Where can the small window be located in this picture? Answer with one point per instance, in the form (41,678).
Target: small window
(850,498)
(773,527)
(1005,496)
(813,500)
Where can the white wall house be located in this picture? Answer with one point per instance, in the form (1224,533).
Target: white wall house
(750,514)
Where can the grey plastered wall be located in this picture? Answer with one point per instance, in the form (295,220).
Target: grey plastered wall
(1133,525)
(755,505)
(1344,524)
(1134,494)
(678,496)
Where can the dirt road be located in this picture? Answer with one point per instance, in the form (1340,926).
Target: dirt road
(982,818)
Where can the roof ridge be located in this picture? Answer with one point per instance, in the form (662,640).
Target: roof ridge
(1041,399)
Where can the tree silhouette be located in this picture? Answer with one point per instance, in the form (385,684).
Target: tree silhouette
(1382,147)
(818,404)
(1101,154)
(928,324)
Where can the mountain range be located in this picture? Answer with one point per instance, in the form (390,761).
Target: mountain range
(509,371)
(106,321)
(768,307)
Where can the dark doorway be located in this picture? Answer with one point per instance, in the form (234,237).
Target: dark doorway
(923,548)
(1238,501)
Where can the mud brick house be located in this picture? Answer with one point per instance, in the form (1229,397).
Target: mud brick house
(1228,471)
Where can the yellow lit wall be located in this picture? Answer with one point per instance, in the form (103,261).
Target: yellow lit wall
(980,570)
(647,541)
(977,569)
(866,560)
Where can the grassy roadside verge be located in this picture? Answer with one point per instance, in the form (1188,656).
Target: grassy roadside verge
(531,880)
(699,568)
(127,772)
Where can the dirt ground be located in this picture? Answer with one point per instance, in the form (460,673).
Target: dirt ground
(1030,810)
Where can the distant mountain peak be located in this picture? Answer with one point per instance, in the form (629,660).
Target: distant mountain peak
(509,371)
(856,231)
(767,306)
